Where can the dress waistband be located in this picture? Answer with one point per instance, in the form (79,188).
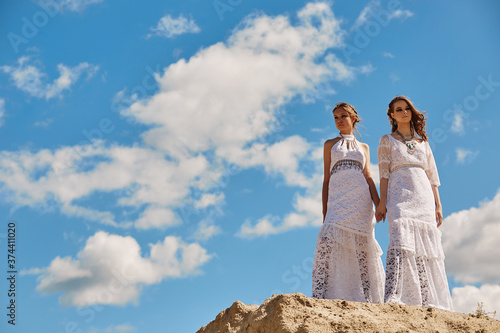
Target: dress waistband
(346,164)
(407,165)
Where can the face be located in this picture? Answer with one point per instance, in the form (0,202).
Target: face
(402,112)
(343,121)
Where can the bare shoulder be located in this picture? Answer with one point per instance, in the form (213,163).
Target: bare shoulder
(331,142)
(364,146)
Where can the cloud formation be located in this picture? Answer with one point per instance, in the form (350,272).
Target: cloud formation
(111,270)
(28,77)
(466,299)
(470,242)
(457,124)
(68,5)
(210,112)
(170,27)
(465,155)
(374,11)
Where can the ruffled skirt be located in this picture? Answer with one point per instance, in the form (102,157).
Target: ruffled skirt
(347,265)
(415,272)
(347,262)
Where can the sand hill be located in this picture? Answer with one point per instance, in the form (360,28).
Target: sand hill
(298,313)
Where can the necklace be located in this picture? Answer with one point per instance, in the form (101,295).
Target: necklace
(409,143)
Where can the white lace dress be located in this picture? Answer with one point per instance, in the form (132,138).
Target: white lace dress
(347,262)
(415,271)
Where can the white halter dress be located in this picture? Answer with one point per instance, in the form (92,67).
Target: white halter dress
(347,262)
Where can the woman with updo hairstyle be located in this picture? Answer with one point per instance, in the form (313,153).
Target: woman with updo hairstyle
(409,195)
(347,263)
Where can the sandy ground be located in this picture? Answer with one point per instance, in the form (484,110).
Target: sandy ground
(301,314)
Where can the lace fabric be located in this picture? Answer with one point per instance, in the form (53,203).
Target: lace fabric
(415,271)
(347,266)
(416,280)
(392,155)
(347,262)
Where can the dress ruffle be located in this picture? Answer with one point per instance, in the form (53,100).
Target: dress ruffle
(350,239)
(347,265)
(421,239)
(416,280)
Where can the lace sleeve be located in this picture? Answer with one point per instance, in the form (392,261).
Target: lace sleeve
(430,168)
(384,157)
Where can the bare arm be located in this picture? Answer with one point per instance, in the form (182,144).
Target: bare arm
(384,165)
(326,178)
(381,208)
(439,208)
(368,177)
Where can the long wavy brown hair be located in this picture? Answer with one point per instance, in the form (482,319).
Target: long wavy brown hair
(352,113)
(417,117)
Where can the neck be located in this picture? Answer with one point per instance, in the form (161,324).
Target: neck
(404,128)
(347,133)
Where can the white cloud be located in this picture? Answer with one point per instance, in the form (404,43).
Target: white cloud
(466,299)
(210,112)
(282,157)
(465,155)
(110,269)
(209,199)
(2,111)
(401,14)
(170,27)
(135,176)
(388,55)
(67,5)
(206,230)
(381,16)
(28,77)
(157,217)
(307,208)
(457,125)
(470,242)
(228,94)
(366,13)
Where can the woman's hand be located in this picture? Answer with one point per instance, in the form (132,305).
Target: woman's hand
(439,215)
(380,212)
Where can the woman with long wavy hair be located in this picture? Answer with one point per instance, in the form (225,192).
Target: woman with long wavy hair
(409,195)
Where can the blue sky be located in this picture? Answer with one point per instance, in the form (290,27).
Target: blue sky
(164,159)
